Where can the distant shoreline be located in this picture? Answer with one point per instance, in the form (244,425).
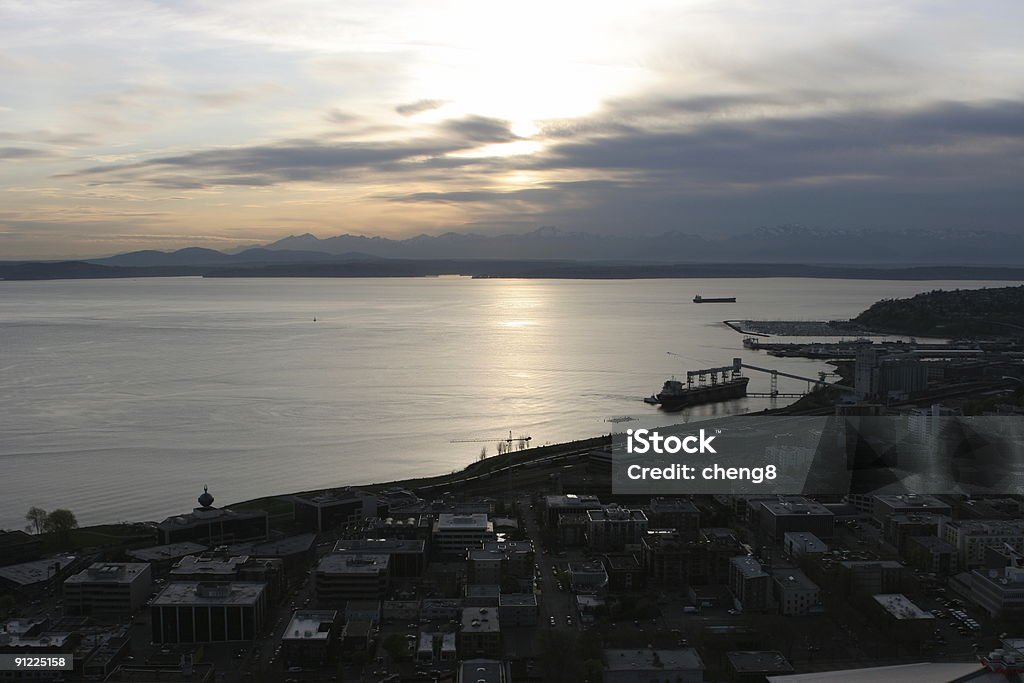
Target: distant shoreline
(496,269)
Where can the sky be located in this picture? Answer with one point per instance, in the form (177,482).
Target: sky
(163,124)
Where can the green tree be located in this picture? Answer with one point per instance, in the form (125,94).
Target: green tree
(60,521)
(36,518)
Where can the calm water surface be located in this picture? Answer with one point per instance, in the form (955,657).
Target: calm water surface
(120,399)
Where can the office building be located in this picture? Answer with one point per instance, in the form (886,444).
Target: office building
(454,535)
(340,578)
(108,589)
(192,612)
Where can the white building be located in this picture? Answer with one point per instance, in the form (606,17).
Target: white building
(456,534)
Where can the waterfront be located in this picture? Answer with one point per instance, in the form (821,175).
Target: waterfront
(120,398)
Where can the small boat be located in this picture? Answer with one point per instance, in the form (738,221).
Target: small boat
(714,300)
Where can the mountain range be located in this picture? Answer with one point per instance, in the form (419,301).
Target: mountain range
(783,244)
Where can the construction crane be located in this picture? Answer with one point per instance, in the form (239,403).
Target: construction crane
(521,441)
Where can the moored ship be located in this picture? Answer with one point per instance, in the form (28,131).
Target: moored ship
(712,385)
(714,299)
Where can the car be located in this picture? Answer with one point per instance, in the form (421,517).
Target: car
(735,612)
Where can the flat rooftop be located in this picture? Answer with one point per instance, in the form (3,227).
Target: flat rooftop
(676,505)
(900,607)
(793,578)
(474,522)
(759,661)
(517,600)
(310,625)
(683,659)
(911,500)
(793,508)
(806,540)
(193,564)
(359,563)
(109,572)
(28,573)
(171,551)
(481,671)
(748,566)
(480,620)
(380,545)
(571,500)
(616,514)
(199,593)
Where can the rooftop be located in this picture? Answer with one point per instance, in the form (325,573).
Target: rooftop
(202,516)
(517,600)
(795,506)
(109,572)
(199,593)
(684,659)
(358,563)
(211,565)
(663,505)
(749,567)
(988,527)
(794,578)
(28,573)
(806,540)
(474,522)
(913,500)
(310,625)
(481,671)
(900,607)
(480,620)
(571,500)
(614,513)
(380,545)
(171,551)
(759,661)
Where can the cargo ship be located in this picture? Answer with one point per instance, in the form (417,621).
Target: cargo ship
(714,300)
(676,395)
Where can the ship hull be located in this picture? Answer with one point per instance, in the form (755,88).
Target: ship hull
(717,393)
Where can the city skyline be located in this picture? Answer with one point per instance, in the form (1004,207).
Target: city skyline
(158,125)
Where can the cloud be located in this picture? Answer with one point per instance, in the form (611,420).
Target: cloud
(18,153)
(305,160)
(419,106)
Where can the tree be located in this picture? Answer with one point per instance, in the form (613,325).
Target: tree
(60,521)
(483,453)
(36,518)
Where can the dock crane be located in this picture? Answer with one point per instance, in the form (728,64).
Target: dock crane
(733,371)
(738,364)
(521,441)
